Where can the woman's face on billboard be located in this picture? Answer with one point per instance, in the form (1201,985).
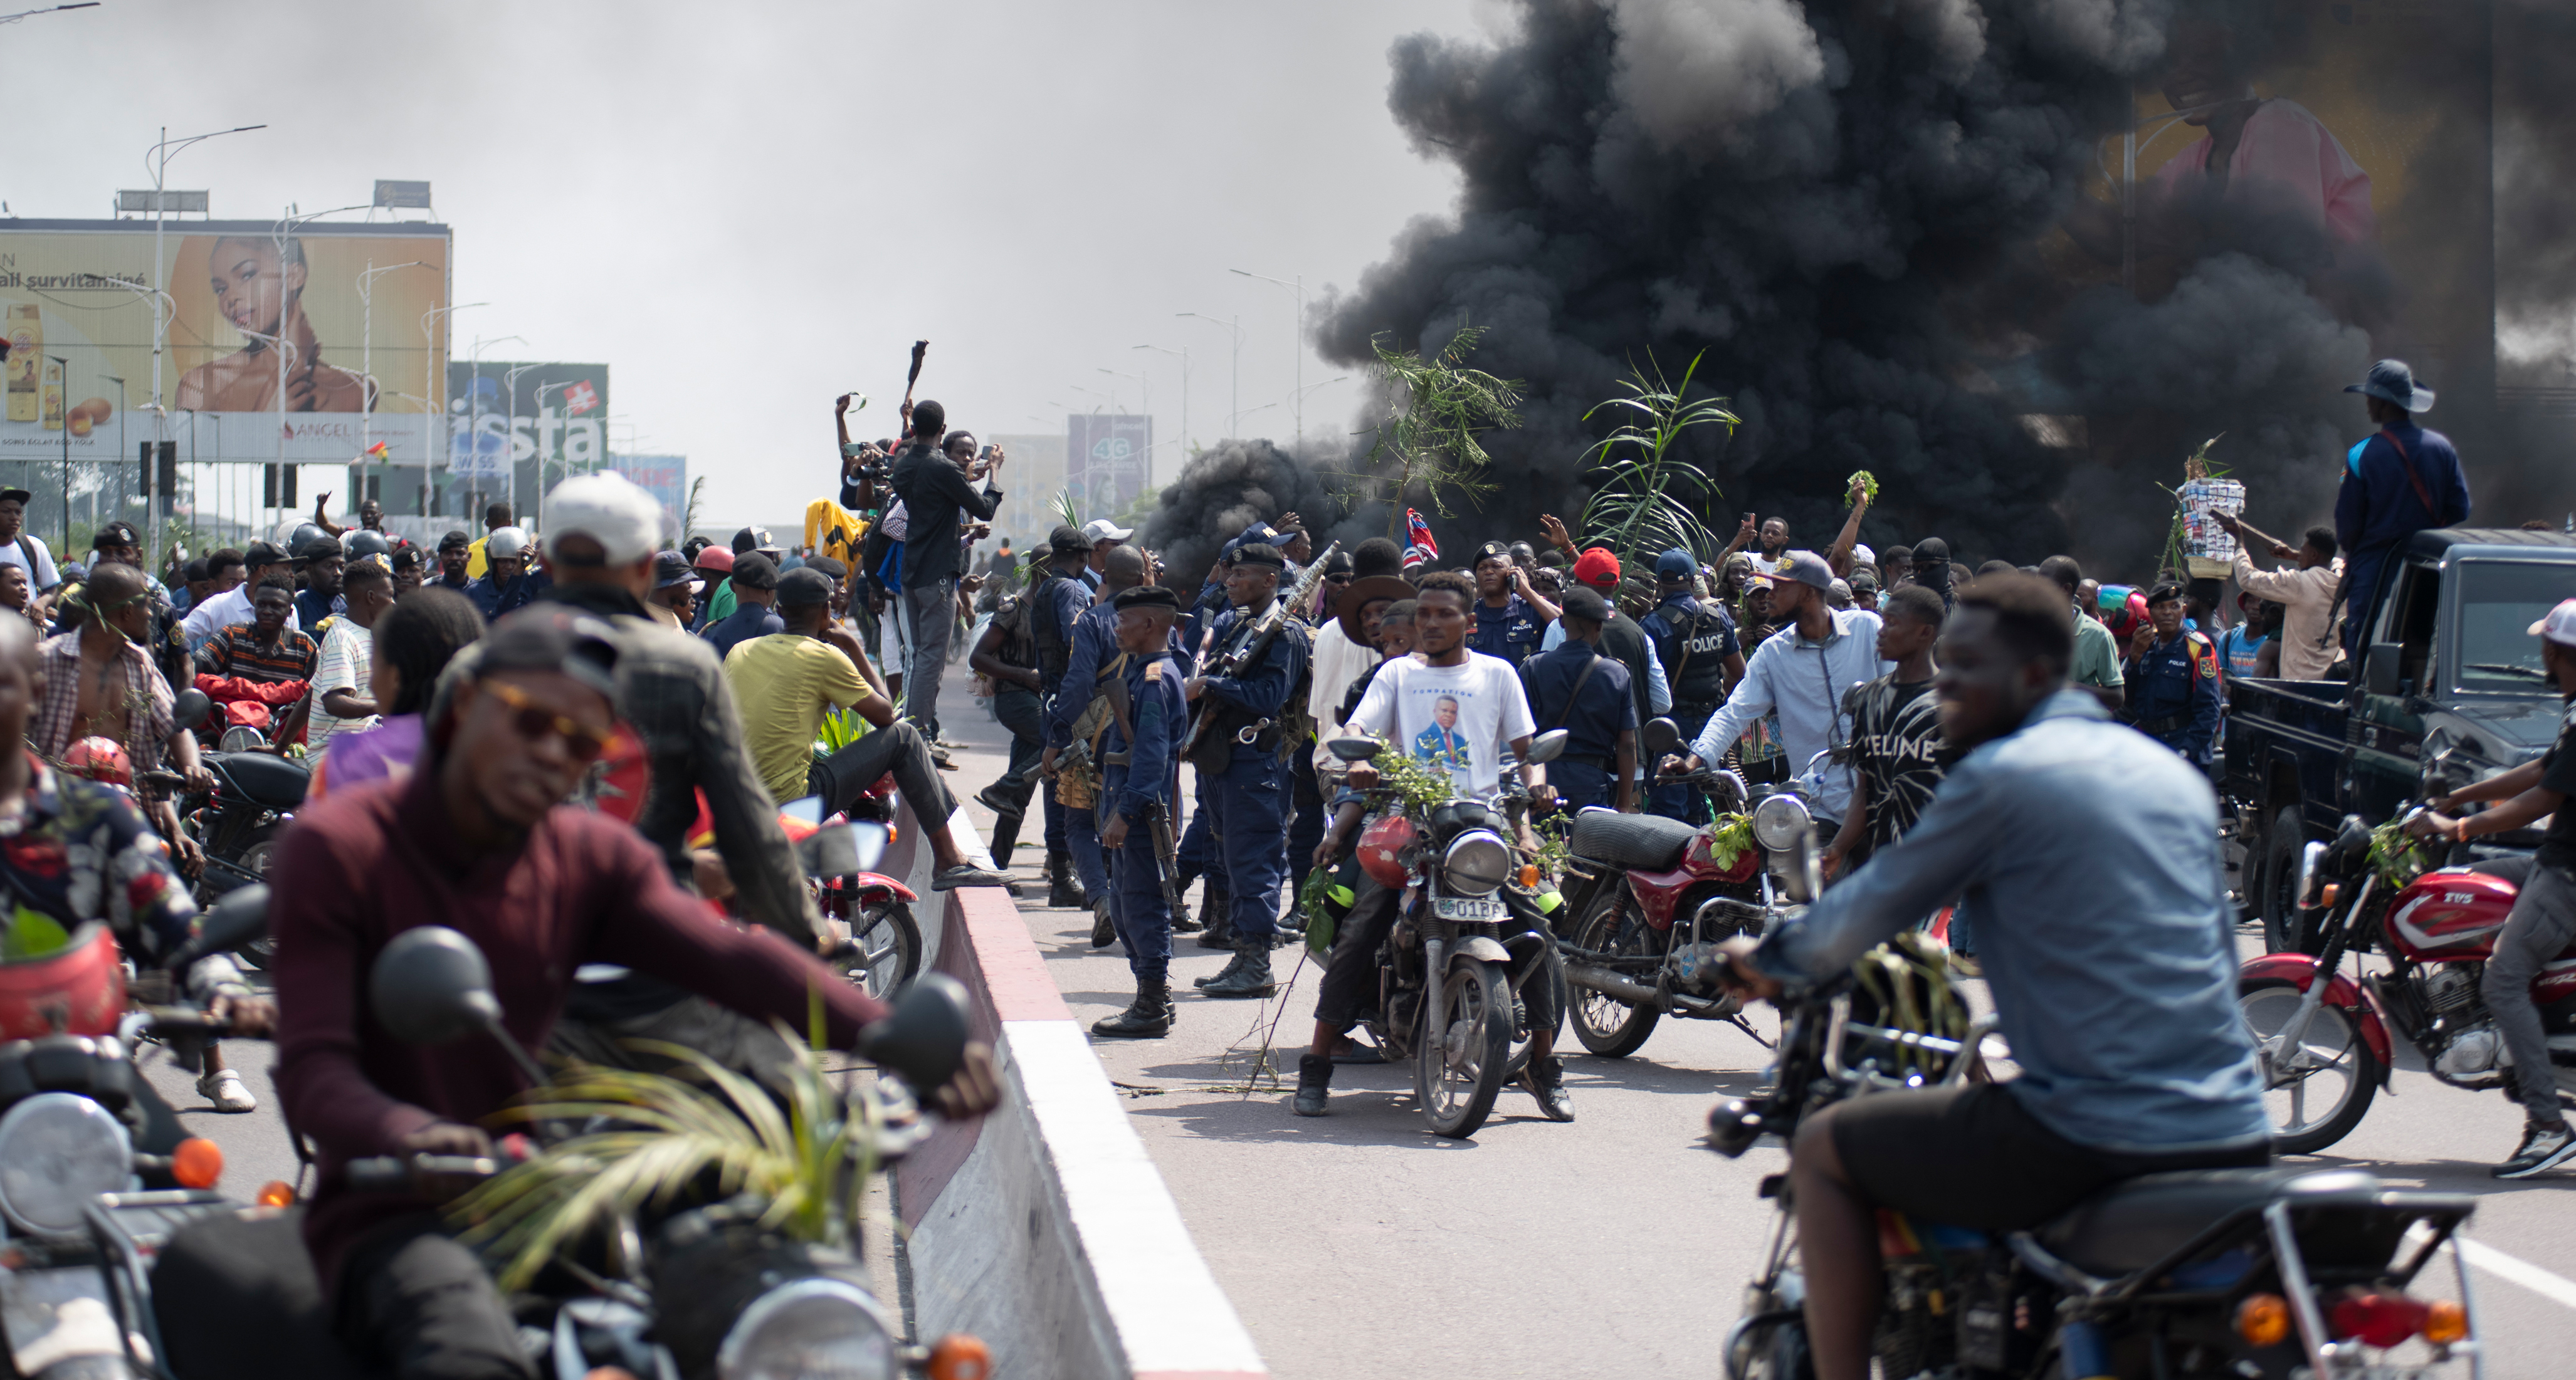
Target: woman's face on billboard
(250,289)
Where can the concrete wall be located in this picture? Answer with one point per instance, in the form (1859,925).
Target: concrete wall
(1044,1228)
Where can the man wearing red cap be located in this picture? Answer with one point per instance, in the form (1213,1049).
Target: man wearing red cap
(1622,639)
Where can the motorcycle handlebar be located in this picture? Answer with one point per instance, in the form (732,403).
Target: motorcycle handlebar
(181,1020)
(393,1174)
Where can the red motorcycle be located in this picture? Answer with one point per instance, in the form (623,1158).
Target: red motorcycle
(2323,1035)
(1650,899)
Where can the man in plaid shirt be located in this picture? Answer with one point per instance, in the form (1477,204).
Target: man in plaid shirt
(100,682)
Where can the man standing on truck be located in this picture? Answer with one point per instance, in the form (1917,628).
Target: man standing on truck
(2543,920)
(2400,480)
(2305,592)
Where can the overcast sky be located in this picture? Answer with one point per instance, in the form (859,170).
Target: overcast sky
(746,209)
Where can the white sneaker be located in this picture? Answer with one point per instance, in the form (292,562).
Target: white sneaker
(226,1090)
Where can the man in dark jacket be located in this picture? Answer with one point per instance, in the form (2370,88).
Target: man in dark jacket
(2400,480)
(936,485)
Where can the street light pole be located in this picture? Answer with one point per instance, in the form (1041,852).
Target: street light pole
(510,429)
(158,159)
(63,398)
(1234,385)
(367,369)
(540,444)
(1298,287)
(474,410)
(431,393)
(121,400)
(1144,382)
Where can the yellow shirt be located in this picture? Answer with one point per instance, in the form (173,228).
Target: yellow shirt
(783,684)
(474,562)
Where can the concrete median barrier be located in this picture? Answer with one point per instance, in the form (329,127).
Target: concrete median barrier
(1044,1228)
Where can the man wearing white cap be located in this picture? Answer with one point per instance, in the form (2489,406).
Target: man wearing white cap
(2543,921)
(1105,536)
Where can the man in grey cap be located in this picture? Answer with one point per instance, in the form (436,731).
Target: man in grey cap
(1803,673)
(2400,480)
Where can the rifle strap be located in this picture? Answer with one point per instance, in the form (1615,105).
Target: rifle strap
(1588,668)
(1116,674)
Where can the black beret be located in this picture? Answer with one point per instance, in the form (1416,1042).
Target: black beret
(1147,597)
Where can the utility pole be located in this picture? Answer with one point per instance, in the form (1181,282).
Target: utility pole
(1299,335)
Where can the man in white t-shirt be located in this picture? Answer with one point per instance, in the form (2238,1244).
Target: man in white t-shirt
(1455,711)
(22,548)
(221,611)
(344,695)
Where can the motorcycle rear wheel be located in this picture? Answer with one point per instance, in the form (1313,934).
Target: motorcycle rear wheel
(889,944)
(2348,1076)
(1607,1026)
(1458,1072)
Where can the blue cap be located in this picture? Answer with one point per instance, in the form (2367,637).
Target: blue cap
(1675,564)
(1263,533)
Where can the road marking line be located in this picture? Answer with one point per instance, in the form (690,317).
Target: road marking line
(2555,1288)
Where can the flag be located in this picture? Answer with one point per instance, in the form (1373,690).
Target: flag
(580,398)
(379,451)
(1418,532)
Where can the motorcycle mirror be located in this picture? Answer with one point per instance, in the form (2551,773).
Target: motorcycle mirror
(1549,746)
(1353,748)
(1662,736)
(240,917)
(841,849)
(189,708)
(806,808)
(924,1039)
(432,986)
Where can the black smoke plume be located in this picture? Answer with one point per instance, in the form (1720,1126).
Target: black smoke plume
(1230,486)
(1855,209)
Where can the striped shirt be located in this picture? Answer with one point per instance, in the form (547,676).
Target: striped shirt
(237,651)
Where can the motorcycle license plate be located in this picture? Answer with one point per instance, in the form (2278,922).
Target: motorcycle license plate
(1466,908)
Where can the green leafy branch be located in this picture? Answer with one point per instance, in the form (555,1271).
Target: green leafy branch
(1429,443)
(1646,498)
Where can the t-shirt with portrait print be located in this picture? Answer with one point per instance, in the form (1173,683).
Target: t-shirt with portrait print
(1453,719)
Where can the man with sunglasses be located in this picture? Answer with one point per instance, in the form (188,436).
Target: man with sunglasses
(479,839)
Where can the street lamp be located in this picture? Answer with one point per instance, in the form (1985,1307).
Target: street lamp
(1145,383)
(1298,287)
(285,228)
(1184,353)
(63,397)
(157,158)
(367,366)
(511,450)
(1234,387)
(474,408)
(49,9)
(429,385)
(120,446)
(538,443)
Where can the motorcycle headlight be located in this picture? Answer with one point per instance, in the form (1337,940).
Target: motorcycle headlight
(57,1152)
(810,1328)
(1778,822)
(1477,862)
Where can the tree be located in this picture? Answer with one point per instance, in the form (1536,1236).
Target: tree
(1647,499)
(1429,443)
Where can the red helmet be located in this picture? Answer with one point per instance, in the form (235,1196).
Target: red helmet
(1381,847)
(78,989)
(99,759)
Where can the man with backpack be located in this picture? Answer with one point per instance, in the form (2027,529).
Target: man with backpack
(1024,650)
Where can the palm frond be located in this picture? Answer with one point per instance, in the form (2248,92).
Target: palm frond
(1646,497)
(1063,504)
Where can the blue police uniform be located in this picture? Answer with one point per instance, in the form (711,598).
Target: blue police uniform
(1249,802)
(1511,632)
(1093,645)
(2173,694)
(1064,601)
(1138,778)
(1594,714)
(1691,642)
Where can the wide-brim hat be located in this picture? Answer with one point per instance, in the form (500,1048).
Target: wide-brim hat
(2390,379)
(1356,595)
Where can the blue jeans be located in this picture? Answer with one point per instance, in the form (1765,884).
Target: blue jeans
(1251,831)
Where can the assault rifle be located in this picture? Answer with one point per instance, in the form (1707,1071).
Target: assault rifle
(1263,633)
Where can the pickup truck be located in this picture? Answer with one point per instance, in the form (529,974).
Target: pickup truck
(2450,692)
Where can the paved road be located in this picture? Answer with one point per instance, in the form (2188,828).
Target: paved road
(1359,1245)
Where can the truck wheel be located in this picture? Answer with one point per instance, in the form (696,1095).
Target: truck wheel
(2285,926)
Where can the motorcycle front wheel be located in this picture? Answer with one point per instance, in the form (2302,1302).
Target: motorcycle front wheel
(2318,1102)
(1607,1026)
(1459,1070)
(886,949)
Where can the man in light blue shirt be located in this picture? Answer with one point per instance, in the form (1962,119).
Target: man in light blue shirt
(2087,855)
(1802,673)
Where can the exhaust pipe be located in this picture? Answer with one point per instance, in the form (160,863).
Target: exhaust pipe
(1593,978)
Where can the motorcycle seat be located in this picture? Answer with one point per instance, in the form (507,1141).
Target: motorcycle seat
(270,782)
(2137,1222)
(1645,841)
(237,1297)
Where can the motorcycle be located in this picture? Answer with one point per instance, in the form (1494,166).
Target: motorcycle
(2258,1273)
(696,1288)
(73,1112)
(1469,971)
(2324,1036)
(1652,898)
(883,952)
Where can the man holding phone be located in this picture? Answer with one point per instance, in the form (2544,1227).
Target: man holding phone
(935,480)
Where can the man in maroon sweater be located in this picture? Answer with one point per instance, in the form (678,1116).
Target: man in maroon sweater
(478,840)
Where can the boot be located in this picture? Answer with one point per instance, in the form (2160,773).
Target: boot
(1063,892)
(1314,1085)
(1252,979)
(1545,1080)
(1104,929)
(1219,933)
(1232,966)
(1006,837)
(1181,921)
(1148,1017)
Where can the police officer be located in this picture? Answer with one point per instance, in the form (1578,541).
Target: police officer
(1577,689)
(1702,661)
(2172,678)
(1511,615)
(1048,615)
(1245,749)
(1140,779)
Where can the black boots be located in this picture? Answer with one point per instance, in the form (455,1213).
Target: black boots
(1213,904)
(1104,929)
(1314,1084)
(1063,892)
(1007,814)
(1148,1017)
(1250,976)
(1545,1080)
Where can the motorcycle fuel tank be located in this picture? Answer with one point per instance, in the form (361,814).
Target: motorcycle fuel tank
(2448,914)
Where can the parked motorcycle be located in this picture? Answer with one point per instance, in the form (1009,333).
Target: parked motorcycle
(1650,899)
(2257,1273)
(1470,970)
(77,1121)
(883,953)
(2324,1034)
(698,1288)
